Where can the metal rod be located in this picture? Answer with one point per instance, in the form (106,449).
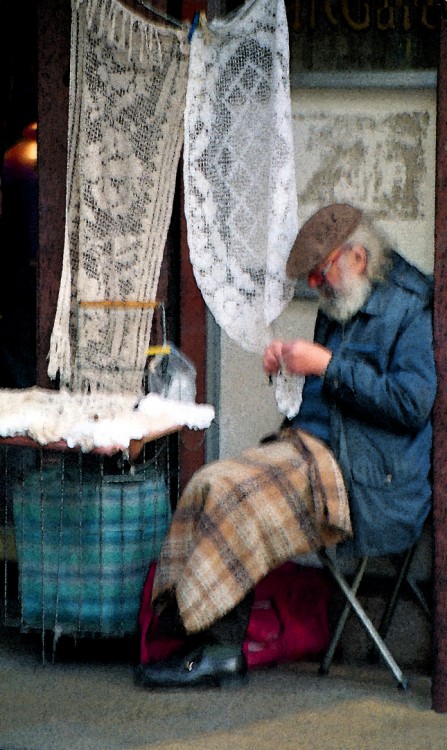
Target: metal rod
(160,14)
(390,608)
(59,555)
(365,620)
(42,551)
(5,530)
(329,655)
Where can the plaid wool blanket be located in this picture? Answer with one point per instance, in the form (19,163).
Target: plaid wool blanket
(240,518)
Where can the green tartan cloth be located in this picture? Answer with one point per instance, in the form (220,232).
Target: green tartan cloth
(240,518)
(84,548)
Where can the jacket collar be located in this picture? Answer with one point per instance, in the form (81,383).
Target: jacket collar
(377,301)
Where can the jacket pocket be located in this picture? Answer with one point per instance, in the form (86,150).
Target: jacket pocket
(361,348)
(387,475)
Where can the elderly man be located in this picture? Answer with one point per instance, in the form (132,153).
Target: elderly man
(363,431)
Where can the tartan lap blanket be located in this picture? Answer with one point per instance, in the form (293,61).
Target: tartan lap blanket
(239,518)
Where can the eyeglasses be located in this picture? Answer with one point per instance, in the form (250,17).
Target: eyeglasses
(318,275)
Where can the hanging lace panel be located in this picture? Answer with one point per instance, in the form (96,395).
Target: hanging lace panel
(240,190)
(127,92)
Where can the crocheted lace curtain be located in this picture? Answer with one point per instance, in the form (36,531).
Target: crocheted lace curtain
(240,189)
(126,105)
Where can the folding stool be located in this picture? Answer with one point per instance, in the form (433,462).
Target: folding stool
(376,634)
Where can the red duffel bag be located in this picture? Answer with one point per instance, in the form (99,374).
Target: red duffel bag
(288,621)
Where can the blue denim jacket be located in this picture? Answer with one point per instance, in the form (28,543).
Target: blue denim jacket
(381,386)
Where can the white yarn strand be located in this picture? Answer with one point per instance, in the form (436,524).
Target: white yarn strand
(94,420)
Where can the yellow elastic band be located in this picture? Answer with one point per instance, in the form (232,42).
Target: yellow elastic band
(158,350)
(118,303)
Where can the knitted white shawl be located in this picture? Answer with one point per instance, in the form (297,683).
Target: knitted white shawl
(127,89)
(240,190)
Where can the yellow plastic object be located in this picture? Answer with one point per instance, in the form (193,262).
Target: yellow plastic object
(165,349)
(144,305)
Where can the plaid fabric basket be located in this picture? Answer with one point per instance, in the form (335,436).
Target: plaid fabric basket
(84,547)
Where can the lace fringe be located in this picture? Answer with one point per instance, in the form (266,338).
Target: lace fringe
(126,30)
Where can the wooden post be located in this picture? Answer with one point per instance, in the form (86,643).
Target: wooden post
(192,326)
(439,682)
(53,66)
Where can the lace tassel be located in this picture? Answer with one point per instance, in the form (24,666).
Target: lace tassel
(90,12)
(142,43)
(122,42)
(139,32)
(130,41)
(148,39)
(159,48)
(112,25)
(102,15)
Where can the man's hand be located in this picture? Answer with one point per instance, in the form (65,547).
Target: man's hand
(301,357)
(272,361)
(298,357)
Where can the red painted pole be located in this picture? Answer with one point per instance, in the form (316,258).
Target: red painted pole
(439,682)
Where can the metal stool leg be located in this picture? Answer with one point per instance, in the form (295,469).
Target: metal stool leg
(403,578)
(329,655)
(418,595)
(365,620)
(390,608)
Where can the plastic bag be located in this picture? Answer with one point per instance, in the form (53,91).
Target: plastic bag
(171,374)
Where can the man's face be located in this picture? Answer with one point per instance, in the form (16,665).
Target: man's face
(341,283)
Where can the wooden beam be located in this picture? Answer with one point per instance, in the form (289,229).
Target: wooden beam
(439,681)
(53,65)
(193,341)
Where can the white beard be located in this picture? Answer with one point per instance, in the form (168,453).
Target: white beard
(343,303)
